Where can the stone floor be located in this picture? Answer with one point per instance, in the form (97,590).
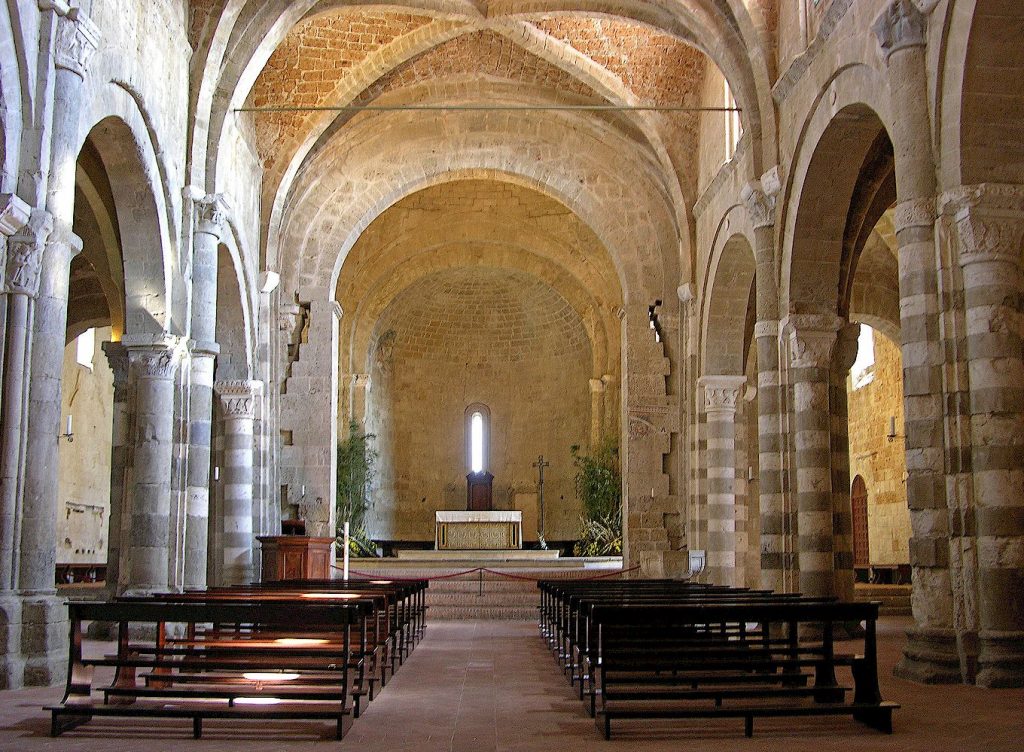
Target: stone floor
(475,686)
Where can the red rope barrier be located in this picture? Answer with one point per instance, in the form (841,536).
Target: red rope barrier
(509,575)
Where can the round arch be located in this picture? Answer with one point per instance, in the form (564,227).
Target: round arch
(727,292)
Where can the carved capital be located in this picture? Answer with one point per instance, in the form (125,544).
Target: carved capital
(117,358)
(25,254)
(154,356)
(78,38)
(597,386)
(899,26)
(766,329)
(14,214)
(211,213)
(238,398)
(917,212)
(721,393)
(812,338)
(989,221)
(361,380)
(760,206)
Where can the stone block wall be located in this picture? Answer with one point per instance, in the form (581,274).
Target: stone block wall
(880,462)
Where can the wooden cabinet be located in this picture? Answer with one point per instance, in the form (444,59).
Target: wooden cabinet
(296,557)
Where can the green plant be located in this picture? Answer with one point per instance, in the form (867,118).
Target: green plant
(356,461)
(599,487)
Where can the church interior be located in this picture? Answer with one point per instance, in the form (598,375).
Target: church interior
(275,268)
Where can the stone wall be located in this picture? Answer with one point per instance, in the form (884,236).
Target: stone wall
(479,335)
(879,461)
(84,488)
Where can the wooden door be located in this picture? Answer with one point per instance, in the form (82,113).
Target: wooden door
(478,492)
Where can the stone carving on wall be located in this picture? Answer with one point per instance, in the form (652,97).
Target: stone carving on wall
(384,352)
(237,399)
(989,221)
(155,363)
(760,206)
(24,261)
(77,40)
(918,212)
(211,214)
(900,25)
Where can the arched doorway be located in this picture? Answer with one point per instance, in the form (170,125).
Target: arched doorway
(861,545)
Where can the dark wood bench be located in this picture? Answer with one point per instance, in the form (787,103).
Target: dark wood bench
(199,660)
(745,659)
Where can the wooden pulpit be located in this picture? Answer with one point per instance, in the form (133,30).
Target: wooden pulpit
(478,491)
(295,557)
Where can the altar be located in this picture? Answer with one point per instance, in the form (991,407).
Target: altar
(478,530)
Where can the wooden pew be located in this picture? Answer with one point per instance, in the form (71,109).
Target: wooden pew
(702,660)
(226,673)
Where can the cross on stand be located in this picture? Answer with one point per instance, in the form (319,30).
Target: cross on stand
(540,464)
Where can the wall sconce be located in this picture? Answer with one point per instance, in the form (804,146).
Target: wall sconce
(216,472)
(892,435)
(67,432)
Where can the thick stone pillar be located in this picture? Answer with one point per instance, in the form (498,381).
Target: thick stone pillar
(596,412)
(812,338)
(990,233)
(154,362)
(209,217)
(120,435)
(843,357)
(238,400)
(934,652)
(721,394)
(777,557)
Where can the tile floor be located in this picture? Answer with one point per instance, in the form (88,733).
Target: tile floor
(480,686)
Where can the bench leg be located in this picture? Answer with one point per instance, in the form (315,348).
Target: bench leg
(61,722)
(748,726)
(197,726)
(879,719)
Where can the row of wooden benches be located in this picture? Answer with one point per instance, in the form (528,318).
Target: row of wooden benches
(309,649)
(672,649)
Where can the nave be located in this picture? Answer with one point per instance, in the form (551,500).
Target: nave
(478,686)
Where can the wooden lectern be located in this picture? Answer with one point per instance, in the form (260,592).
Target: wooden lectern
(295,557)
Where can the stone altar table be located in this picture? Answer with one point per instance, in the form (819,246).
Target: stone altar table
(478,530)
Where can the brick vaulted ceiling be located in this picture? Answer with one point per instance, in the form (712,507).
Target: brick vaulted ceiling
(324,60)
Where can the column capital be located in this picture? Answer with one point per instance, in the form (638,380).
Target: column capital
(361,380)
(812,337)
(211,214)
(154,356)
(915,212)
(117,357)
(14,213)
(899,26)
(989,220)
(721,393)
(238,397)
(78,38)
(597,386)
(767,328)
(760,206)
(25,254)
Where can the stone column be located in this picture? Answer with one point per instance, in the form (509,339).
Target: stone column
(844,355)
(776,523)
(154,362)
(209,217)
(611,406)
(990,229)
(117,357)
(23,254)
(596,412)
(811,339)
(238,407)
(933,651)
(720,397)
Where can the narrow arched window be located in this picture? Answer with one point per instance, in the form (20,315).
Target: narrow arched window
(477,429)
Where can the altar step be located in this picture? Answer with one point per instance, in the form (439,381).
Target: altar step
(506,593)
(894,599)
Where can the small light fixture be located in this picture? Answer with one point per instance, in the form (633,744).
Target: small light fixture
(68,434)
(892,435)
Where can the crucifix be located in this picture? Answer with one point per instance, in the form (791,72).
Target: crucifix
(540,464)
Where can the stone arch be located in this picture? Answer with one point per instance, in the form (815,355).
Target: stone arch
(833,149)
(640,238)
(146,246)
(725,336)
(981,108)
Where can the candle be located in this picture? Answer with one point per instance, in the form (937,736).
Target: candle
(303,491)
(345,558)
(216,473)
(652,492)
(892,425)
(68,431)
